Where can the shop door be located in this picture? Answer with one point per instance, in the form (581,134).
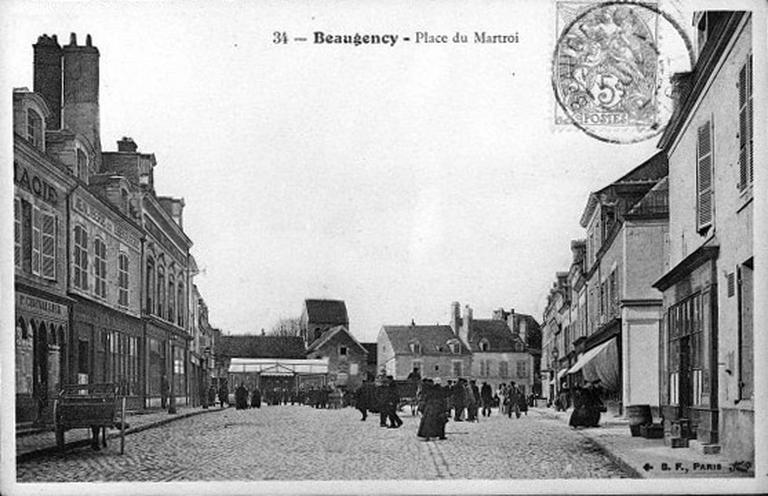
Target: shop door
(40,368)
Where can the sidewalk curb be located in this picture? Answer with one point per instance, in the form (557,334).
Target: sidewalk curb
(24,457)
(615,458)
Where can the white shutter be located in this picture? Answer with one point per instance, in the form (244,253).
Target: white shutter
(17,232)
(36,240)
(705,194)
(48,246)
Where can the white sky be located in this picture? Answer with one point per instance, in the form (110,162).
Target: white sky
(397,179)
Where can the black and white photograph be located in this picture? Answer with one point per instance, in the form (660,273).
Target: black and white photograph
(383,247)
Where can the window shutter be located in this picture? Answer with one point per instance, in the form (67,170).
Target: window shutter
(750,128)
(17,232)
(704,176)
(36,240)
(49,246)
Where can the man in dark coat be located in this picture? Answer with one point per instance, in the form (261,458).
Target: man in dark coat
(223,394)
(212,395)
(256,398)
(241,397)
(392,399)
(459,400)
(486,398)
(362,399)
(381,402)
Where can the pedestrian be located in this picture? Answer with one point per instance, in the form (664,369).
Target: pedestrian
(381,401)
(513,400)
(256,398)
(459,400)
(392,400)
(362,399)
(223,394)
(241,397)
(473,400)
(433,418)
(522,403)
(212,395)
(580,414)
(486,399)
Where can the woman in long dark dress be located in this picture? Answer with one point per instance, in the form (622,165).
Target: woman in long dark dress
(256,398)
(580,414)
(433,419)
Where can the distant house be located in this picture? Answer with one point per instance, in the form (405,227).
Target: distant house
(319,316)
(435,350)
(347,358)
(499,355)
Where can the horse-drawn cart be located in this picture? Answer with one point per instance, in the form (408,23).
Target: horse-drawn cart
(89,406)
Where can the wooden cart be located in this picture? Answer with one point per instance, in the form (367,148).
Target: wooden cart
(88,406)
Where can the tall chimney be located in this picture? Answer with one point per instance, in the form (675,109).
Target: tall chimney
(81,93)
(47,76)
(455,320)
(466,326)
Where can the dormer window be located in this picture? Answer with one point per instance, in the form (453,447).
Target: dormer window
(415,348)
(35,129)
(82,164)
(454,347)
(484,345)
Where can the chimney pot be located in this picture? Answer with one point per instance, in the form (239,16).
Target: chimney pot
(88,40)
(73,39)
(126,145)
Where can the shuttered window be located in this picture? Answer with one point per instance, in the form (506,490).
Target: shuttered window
(100,267)
(36,238)
(81,258)
(122,298)
(17,232)
(48,254)
(746,167)
(705,192)
(746,336)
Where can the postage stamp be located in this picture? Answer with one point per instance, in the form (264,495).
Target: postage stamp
(611,74)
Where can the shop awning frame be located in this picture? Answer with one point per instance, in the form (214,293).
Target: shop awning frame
(588,355)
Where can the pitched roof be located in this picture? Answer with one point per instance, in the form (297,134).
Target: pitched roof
(496,332)
(330,333)
(433,338)
(257,346)
(326,312)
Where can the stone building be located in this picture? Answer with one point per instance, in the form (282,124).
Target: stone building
(42,323)
(499,355)
(103,268)
(433,350)
(556,352)
(347,358)
(626,224)
(707,358)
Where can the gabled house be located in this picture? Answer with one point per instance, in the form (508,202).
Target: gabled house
(433,350)
(347,358)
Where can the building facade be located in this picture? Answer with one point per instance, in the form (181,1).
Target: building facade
(706,379)
(347,358)
(42,307)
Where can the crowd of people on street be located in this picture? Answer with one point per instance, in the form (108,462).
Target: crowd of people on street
(323,396)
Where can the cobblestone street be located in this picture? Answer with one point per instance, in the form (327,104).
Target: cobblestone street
(298,442)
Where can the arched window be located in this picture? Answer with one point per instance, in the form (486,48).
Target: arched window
(484,345)
(181,302)
(124,200)
(122,280)
(81,258)
(150,285)
(160,289)
(100,267)
(171,296)
(81,168)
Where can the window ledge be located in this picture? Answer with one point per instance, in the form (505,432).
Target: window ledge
(745,198)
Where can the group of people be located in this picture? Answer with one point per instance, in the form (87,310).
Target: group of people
(382,397)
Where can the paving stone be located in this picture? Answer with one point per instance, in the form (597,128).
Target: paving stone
(302,443)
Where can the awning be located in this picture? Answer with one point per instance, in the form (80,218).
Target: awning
(600,362)
(278,366)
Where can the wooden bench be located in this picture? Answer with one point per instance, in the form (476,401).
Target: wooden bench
(89,406)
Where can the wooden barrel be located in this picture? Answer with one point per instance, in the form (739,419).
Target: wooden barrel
(638,415)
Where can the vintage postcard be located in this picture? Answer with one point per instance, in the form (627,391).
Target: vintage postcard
(383,247)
